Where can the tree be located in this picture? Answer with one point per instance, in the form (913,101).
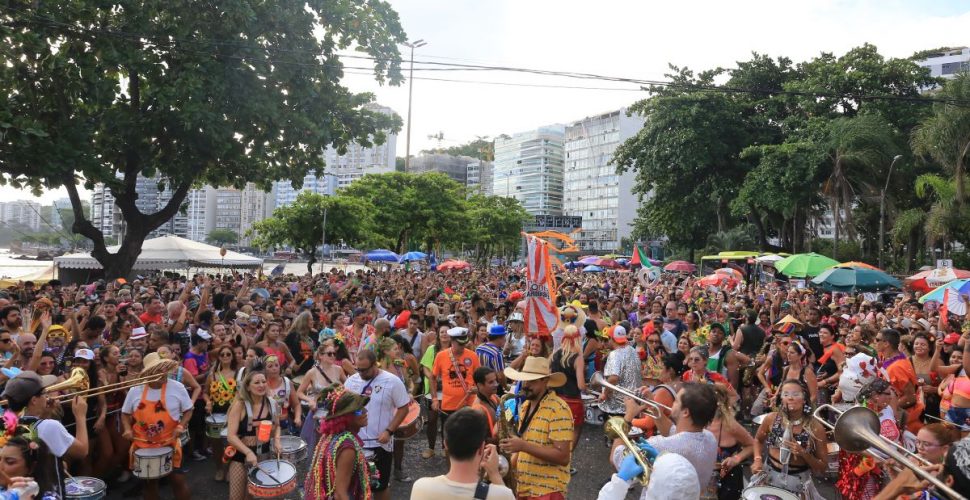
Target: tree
(944,136)
(857,148)
(425,208)
(222,237)
(218,93)
(300,224)
(495,226)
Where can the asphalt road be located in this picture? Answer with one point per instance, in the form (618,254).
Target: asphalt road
(591,462)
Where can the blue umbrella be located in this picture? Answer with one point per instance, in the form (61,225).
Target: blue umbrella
(433,263)
(592,269)
(410,256)
(573,265)
(381,255)
(961,286)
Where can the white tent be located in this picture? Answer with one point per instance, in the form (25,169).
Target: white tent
(167,252)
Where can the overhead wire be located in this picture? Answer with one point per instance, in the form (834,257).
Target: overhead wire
(172,44)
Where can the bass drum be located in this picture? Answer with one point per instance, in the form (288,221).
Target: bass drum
(767,493)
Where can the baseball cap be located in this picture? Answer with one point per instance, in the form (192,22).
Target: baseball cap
(618,334)
(496,331)
(26,385)
(951,338)
(87,354)
(203,334)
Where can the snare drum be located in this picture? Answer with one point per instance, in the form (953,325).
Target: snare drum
(84,488)
(767,493)
(294,449)
(224,435)
(588,400)
(272,478)
(832,472)
(214,424)
(594,415)
(412,423)
(153,463)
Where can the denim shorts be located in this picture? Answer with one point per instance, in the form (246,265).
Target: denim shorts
(959,416)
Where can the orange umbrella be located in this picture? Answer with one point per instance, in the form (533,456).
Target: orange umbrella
(857,264)
(453,264)
(718,279)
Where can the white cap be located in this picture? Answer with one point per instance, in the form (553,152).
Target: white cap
(203,334)
(457,332)
(87,354)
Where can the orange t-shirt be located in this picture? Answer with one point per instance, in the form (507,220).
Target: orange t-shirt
(453,394)
(900,373)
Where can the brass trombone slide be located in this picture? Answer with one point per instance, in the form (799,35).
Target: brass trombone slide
(77,381)
(598,380)
(857,430)
(104,389)
(831,427)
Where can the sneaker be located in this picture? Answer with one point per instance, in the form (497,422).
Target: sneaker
(399,476)
(572,471)
(428,453)
(198,457)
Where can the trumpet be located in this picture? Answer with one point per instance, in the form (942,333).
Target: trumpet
(598,380)
(617,428)
(857,430)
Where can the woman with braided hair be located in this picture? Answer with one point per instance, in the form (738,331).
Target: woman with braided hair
(339,470)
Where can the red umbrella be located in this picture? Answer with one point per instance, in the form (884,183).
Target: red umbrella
(717,279)
(930,279)
(453,264)
(730,271)
(680,266)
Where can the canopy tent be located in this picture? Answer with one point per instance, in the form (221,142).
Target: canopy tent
(168,252)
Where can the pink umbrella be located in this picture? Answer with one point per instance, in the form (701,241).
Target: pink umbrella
(680,266)
(453,264)
(718,279)
(729,271)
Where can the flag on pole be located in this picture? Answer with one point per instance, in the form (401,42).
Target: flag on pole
(639,259)
(944,306)
(541,315)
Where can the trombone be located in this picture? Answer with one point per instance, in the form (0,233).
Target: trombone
(617,428)
(857,430)
(598,380)
(87,392)
(832,428)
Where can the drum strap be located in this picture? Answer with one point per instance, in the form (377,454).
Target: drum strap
(481,490)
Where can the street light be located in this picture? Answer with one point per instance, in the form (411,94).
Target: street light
(882,208)
(407,148)
(323,246)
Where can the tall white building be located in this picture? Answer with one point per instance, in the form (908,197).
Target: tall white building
(948,63)
(592,189)
(342,169)
(529,167)
(23,213)
(478,175)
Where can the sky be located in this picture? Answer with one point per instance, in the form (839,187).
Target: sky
(632,38)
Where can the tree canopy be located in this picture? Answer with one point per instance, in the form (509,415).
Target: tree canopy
(217,93)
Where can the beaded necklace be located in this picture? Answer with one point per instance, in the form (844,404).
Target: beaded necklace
(326,455)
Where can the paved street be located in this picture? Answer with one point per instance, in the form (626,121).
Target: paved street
(591,462)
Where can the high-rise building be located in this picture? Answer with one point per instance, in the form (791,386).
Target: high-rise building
(529,167)
(455,167)
(342,169)
(479,177)
(592,188)
(948,63)
(22,213)
(104,211)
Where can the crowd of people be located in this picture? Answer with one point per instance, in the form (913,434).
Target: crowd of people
(112,382)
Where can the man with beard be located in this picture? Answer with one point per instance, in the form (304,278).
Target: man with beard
(26,342)
(455,368)
(546,430)
(11,320)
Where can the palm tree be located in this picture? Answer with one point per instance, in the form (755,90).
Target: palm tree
(945,135)
(858,148)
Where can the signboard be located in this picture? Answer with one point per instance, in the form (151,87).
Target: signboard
(944,263)
(558,221)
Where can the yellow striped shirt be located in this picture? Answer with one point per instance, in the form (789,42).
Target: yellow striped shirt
(553,422)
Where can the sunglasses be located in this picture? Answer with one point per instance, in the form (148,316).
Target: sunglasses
(330,353)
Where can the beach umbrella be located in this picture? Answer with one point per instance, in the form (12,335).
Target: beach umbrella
(858,264)
(381,255)
(262,292)
(623,261)
(680,266)
(854,279)
(592,269)
(412,256)
(716,279)
(953,303)
(804,265)
(960,286)
(768,259)
(654,262)
(453,264)
(787,325)
(927,280)
(574,265)
(730,271)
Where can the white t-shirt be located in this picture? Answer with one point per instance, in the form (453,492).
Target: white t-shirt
(387,394)
(55,436)
(442,488)
(177,400)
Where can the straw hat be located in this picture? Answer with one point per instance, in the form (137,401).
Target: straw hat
(153,364)
(536,368)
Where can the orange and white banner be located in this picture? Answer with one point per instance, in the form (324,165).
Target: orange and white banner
(541,315)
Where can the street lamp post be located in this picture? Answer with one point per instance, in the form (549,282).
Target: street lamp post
(882,208)
(407,148)
(323,245)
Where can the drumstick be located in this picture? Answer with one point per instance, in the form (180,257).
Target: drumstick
(947,422)
(268,474)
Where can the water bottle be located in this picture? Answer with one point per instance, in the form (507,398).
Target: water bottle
(30,490)
(784,453)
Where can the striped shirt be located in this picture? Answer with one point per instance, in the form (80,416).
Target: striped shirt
(552,422)
(490,355)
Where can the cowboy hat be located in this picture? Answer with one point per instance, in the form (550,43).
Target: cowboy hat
(536,368)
